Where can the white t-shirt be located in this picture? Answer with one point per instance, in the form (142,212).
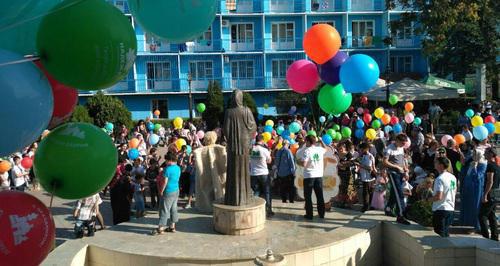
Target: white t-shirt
(258,160)
(313,156)
(19,179)
(446,183)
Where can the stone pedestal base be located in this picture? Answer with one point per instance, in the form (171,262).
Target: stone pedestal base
(240,220)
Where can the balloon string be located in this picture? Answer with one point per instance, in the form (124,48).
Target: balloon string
(52,196)
(312,110)
(26,59)
(52,11)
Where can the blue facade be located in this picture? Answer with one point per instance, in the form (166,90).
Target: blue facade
(250,48)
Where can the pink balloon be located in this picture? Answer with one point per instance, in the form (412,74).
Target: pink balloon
(302,76)
(360,110)
(200,134)
(407,143)
(444,139)
(409,118)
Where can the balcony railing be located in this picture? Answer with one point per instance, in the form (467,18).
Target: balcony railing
(358,42)
(408,42)
(326,6)
(367,5)
(242,7)
(286,6)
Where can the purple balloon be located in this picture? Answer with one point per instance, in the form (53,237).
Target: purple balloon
(329,71)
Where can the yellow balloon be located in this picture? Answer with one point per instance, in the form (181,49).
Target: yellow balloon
(279,146)
(266,106)
(379,112)
(497,128)
(267,136)
(371,134)
(292,135)
(179,143)
(270,123)
(476,121)
(177,123)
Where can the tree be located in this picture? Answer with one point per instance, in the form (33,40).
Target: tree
(214,111)
(104,108)
(249,102)
(286,99)
(81,114)
(458,34)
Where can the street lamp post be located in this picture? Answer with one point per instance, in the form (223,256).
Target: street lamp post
(190,79)
(387,87)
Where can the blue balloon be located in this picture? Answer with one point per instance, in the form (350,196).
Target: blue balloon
(480,133)
(109,127)
(359,73)
(286,133)
(490,127)
(133,154)
(469,113)
(186,20)
(322,119)
(327,139)
(154,139)
(387,129)
(417,121)
(150,126)
(280,129)
(292,141)
(360,123)
(359,133)
(26,103)
(397,128)
(268,129)
(189,149)
(294,127)
(260,116)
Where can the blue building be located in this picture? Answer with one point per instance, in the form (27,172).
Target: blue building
(250,45)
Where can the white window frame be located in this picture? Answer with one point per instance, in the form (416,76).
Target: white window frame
(359,40)
(159,83)
(329,22)
(245,44)
(404,37)
(242,82)
(197,82)
(278,44)
(362,7)
(395,67)
(279,81)
(281,6)
(202,43)
(159,44)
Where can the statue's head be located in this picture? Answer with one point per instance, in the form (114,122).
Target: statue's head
(236,99)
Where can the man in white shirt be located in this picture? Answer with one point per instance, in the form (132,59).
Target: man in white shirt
(20,176)
(312,161)
(260,157)
(443,200)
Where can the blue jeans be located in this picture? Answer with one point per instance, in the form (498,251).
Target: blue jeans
(261,186)
(441,221)
(396,196)
(168,209)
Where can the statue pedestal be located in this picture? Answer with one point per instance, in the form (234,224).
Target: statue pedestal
(240,220)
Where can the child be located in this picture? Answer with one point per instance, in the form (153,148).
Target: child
(138,195)
(85,213)
(424,190)
(151,174)
(379,192)
(366,172)
(406,189)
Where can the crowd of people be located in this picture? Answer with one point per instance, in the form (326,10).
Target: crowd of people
(390,172)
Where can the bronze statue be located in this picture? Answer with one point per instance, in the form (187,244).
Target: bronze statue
(239,127)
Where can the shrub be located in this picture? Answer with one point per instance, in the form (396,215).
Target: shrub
(81,114)
(104,108)
(214,112)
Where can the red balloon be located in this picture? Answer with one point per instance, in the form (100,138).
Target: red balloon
(65,99)
(366,111)
(28,230)
(27,162)
(270,143)
(367,118)
(489,119)
(351,109)
(363,100)
(394,120)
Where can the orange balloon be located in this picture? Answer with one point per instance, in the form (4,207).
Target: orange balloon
(133,143)
(294,148)
(408,107)
(157,112)
(386,119)
(321,43)
(4,166)
(459,139)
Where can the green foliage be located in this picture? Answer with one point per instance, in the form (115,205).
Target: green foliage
(249,102)
(104,108)
(459,34)
(421,212)
(286,99)
(449,117)
(214,111)
(81,114)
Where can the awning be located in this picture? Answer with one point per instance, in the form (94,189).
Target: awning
(444,83)
(412,90)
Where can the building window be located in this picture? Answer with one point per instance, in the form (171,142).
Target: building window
(201,70)
(206,37)
(160,105)
(158,75)
(280,67)
(242,33)
(362,5)
(405,33)
(331,23)
(401,64)
(242,70)
(283,35)
(362,33)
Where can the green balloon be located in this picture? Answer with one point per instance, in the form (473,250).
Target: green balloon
(334,100)
(88,45)
(338,136)
(331,132)
(458,165)
(176,21)
(76,160)
(393,99)
(157,127)
(201,107)
(346,132)
(311,133)
(336,127)
(376,124)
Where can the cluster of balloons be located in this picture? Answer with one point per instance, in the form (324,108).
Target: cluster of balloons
(483,128)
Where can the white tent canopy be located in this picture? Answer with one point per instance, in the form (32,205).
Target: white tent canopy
(411,90)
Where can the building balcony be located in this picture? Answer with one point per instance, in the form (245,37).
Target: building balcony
(408,42)
(326,6)
(198,46)
(286,6)
(364,42)
(241,7)
(245,45)
(366,5)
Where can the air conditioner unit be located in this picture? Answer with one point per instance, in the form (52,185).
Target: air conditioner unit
(225,23)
